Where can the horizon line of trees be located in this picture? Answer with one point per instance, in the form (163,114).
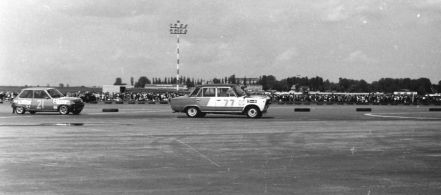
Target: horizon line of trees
(270,82)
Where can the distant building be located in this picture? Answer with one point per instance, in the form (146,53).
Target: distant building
(165,86)
(413,93)
(254,88)
(249,81)
(114,88)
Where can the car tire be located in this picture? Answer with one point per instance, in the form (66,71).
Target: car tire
(20,110)
(193,112)
(63,110)
(253,112)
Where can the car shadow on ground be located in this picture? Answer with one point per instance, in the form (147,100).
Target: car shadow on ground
(227,117)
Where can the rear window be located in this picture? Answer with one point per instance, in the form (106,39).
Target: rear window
(195,91)
(26,94)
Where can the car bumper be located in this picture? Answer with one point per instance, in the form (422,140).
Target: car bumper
(77,107)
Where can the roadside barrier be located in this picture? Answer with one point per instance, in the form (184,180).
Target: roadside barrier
(302,109)
(434,109)
(363,109)
(110,110)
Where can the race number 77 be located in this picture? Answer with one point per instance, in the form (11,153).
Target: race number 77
(226,102)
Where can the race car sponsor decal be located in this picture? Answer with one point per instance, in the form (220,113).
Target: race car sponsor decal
(58,101)
(252,101)
(24,102)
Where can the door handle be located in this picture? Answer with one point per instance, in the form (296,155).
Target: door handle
(198,100)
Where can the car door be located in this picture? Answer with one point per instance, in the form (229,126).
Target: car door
(41,101)
(227,100)
(205,99)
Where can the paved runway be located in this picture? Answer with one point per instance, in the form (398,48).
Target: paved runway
(146,149)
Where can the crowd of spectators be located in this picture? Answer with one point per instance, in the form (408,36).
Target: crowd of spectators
(94,97)
(356,98)
(7,95)
(279,98)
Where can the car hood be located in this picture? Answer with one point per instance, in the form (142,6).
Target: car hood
(258,96)
(69,98)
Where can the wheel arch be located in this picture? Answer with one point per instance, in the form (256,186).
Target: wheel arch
(189,106)
(250,106)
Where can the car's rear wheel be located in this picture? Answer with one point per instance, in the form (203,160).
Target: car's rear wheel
(193,112)
(63,110)
(253,112)
(20,110)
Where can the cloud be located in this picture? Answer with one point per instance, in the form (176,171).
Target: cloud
(287,55)
(340,10)
(337,13)
(359,57)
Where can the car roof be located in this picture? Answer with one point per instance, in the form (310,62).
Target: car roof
(38,88)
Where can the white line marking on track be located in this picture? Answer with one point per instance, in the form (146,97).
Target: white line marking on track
(401,117)
(1,117)
(202,155)
(129,112)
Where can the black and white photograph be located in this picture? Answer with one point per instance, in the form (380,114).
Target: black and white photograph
(220,97)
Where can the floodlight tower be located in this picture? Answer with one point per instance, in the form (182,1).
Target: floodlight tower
(178,29)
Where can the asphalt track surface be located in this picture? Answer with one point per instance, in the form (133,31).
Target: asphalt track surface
(147,149)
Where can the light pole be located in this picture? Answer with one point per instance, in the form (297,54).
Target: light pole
(178,29)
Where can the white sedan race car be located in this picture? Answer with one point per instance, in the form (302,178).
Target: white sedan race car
(220,99)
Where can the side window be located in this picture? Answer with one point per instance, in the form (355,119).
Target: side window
(225,92)
(40,94)
(26,94)
(222,92)
(209,92)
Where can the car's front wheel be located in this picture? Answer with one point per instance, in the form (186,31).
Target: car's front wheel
(253,112)
(20,110)
(63,110)
(193,112)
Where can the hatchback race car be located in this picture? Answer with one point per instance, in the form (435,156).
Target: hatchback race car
(46,100)
(220,99)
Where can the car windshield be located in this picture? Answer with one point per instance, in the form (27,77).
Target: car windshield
(240,92)
(55,93)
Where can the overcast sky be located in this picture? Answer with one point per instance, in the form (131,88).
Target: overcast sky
(91,42)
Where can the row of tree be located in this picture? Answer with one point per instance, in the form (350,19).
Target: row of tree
(190,82)
(387,85)
(269,82)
